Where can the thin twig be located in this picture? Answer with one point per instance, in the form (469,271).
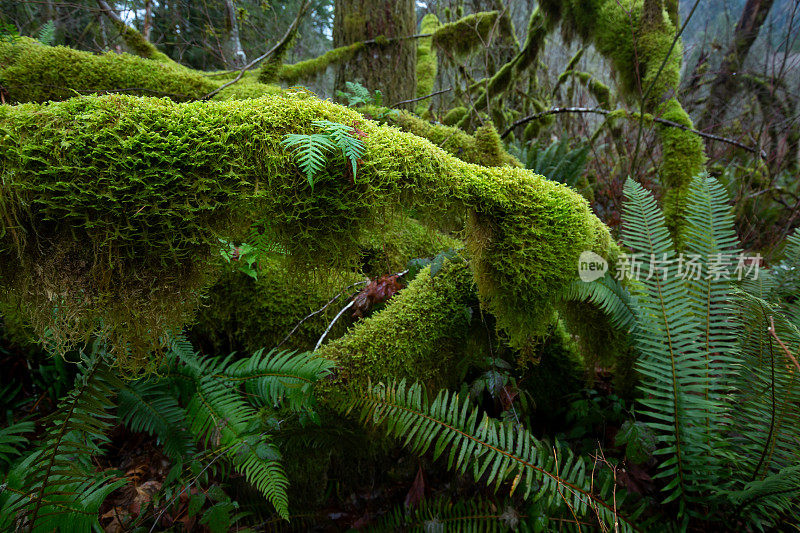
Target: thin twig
(259,59)
(771,330)
(421,97)
(345,308)
(376,40)
(321,309)
(599,111)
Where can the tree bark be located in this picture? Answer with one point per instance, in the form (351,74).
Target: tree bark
(726,84)
(389,67)
(147,25)
(237,56)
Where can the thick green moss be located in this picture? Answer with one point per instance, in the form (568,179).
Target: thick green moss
(239,313)
(464,36)
(646,65)
(119,200)
(136,42)
(310,68)
(243,314)
(389,249)
(484,148)
(418,335)
(454,116)
(33,72)
(426,62)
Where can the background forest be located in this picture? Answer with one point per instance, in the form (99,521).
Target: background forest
(460,265)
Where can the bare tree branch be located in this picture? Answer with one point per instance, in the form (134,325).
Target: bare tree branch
(417,99)
(599,111)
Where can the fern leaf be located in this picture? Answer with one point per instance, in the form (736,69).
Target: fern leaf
(607,294)
(58,478)
(351,147)
(495,452)
(710,236)
(11,440)
(275,375)
(221,418)
(777,495)
(674,373)
(149,405)
(310,152)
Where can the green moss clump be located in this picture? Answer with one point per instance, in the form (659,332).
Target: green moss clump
(418,335)
(489,146)
(484,148)
(464,36)
(112,207)
(390,248)
(454,116)
(310,68)
(137,44)
(426,62)
(33,72)
(239,313)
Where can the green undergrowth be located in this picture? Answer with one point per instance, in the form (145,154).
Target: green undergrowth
(113,205)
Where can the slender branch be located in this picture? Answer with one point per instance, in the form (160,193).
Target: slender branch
(345,308)
(422,97)
(771,330)
(376,40)
(287,36)
(599,111)
(321,309)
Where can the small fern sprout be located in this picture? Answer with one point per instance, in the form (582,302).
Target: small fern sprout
(311,151)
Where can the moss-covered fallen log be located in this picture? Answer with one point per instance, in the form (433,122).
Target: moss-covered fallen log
(112,208)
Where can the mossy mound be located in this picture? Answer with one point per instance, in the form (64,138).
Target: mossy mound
(126,196)
(418,335)
(33,72)
(243,314)
(401,239)
(240,313)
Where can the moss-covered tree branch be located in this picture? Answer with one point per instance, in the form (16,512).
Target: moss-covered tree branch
(123,198)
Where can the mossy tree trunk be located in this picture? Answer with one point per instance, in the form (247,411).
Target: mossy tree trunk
(390,67)
(725,84)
